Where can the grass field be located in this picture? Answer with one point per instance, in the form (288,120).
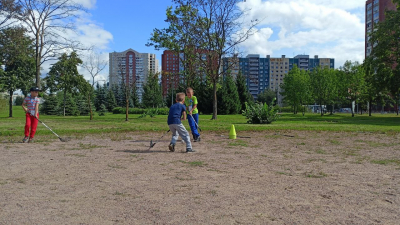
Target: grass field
(388,123)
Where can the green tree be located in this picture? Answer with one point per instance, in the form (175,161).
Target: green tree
(64,75)
(103,110)
(135,97)
(385,55)
(19,100)
(266,96)
(296,88)
(213,28)
(82,105)
(86,91)
(50,105)
(322,86)
(152,95)
(354,77)
(373,85)
(177,38)
(111,102)
(16,54)
(228,97)
(101,96)
(70,107)
(243,92)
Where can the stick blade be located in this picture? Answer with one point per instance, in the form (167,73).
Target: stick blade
(64,139)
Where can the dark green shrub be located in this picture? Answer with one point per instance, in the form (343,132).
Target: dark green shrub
(258,113)
(103,110)
(120,110)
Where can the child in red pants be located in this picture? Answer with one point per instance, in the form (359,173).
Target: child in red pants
(32,103)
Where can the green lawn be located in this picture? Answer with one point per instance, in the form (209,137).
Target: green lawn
(116,123)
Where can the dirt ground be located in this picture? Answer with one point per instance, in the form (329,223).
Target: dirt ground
(270,178)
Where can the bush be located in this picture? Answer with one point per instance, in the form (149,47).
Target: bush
(19,100)
(258,113)
(152,112)
(160,111)
(103,110)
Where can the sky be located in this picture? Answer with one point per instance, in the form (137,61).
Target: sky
(327,28)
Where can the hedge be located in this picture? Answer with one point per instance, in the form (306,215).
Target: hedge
(120,110)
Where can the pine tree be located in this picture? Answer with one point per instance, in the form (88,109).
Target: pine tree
(121,95)
(50,105)
(135,97)
(111,102)
(101,96)
(82,105)
(204,94)
(228,97)
(71,108)
(152,95)
(103,110)
(243,92)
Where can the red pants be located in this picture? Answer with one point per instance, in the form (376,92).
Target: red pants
(31,122)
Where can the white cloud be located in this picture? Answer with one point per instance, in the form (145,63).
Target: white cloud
(300,26)
(86,3)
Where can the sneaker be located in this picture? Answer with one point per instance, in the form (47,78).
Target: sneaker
(197,139)
(190,150)
(31,140)
(25,140)
(171,147)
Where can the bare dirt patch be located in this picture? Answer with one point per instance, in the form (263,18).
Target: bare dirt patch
(271,178)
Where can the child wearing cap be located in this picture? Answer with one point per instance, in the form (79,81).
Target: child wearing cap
(31,107)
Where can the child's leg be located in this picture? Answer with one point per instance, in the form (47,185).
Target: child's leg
(196,118)
(175,135)
(184,134)
(34,123)
(193,126)
(27,124)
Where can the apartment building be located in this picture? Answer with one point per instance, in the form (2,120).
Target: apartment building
(268,73)
(374,13)
(172,67)
(133,67)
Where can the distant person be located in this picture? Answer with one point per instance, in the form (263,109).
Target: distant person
(32,110)
(193,118)
(176,112)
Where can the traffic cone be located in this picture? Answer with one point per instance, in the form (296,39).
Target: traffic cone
(232,133)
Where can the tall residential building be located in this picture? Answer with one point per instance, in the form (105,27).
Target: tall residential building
(172,67)
(374,13)
(133,67)
(268,73)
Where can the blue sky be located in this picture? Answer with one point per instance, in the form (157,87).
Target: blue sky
(327,28)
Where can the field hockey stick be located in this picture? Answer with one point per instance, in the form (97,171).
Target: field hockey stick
(61,139)
(195,122)
(154,143)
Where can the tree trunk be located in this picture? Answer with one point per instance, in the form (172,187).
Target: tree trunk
(90,108)
(65,96)
(127,109)
(10,105)
(37,61)
(320,107)
(214,116)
